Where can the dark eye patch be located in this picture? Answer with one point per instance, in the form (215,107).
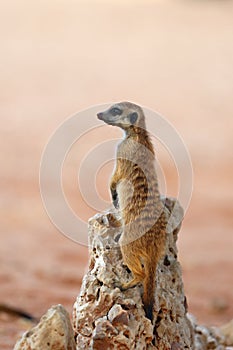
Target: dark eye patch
(115,111)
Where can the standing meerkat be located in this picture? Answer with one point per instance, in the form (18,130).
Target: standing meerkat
(134,189)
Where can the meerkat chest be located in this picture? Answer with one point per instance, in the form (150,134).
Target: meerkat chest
(128,149)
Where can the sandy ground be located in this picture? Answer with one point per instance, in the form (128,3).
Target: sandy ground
(59,57)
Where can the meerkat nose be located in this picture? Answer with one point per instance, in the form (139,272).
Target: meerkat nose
(100,115)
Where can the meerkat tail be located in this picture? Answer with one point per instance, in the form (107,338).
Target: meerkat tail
(148,297)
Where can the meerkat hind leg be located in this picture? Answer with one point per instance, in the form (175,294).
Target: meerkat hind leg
(137,270)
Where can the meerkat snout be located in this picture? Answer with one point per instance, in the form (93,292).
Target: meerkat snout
(100,115)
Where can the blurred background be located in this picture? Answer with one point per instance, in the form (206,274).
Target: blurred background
(60,57)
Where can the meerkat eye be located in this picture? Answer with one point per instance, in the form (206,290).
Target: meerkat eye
(115,111)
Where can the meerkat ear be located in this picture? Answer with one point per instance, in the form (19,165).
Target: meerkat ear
(133,117)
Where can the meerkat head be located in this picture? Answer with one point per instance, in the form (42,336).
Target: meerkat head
(126,115)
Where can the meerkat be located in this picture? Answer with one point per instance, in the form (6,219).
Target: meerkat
(135,192)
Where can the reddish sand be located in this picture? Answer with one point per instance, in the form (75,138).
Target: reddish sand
(59,57)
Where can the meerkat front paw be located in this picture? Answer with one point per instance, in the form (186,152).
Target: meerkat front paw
(113,220)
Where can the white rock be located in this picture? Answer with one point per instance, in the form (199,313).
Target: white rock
(54,332)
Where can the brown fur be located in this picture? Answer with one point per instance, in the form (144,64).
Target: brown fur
(135,183)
